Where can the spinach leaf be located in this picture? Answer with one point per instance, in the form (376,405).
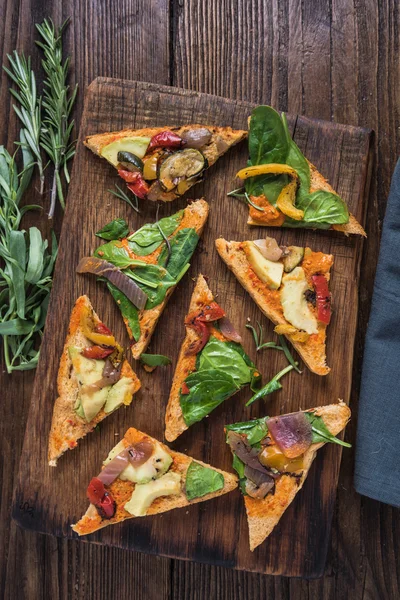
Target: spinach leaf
(255,382)
(114,230)
(208,389)
(183,244)
(202,480)
(220,355)
(255,430)
(155,360)
(128,310)
(267,139)
(320,432)
(239,467)
(159,281)
(149,237)
(116,253)
(323,207)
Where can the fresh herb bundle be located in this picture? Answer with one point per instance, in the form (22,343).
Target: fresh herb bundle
(27,266)
(57,104)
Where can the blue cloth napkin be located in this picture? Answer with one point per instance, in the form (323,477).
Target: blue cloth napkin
(377,468)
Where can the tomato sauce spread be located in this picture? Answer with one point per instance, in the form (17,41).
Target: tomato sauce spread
(270,215)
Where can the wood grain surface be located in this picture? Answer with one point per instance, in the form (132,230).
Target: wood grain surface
(48,500)
(261,51)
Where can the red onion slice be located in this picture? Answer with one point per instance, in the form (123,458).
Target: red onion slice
(228,330)
(140,453)
(97,266)
(292,433)
(196,138)
(114,467)
(269,248)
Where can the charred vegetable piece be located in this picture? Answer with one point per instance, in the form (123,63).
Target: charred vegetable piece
(130,161)
(196,138)
(323,298)
(292,433)
(294,258)
(101,499)
(273,458)
(166,139)
(135,182)
(150,168)
(179,166)
(97,352)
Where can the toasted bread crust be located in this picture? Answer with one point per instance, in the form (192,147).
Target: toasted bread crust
(263,515)
(67,427)
(174,421)
(213,151)
(195,215)
(318,182)
(92,521)
(314,356)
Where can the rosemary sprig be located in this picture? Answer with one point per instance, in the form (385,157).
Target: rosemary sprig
(125,198)
(243,195)
(29,111)
(57,104)
(258,338)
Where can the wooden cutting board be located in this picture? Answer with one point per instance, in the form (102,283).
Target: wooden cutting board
(48,500)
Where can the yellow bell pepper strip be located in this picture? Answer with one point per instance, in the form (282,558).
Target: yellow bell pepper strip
(287,197)
(88,329)
(295,334)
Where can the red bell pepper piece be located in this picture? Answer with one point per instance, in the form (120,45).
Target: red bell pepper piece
(323,298)
(199,321)
(212,312)
(102,499)
(101,328)
(184,389)
(96,352)
(166,139)
(135,182)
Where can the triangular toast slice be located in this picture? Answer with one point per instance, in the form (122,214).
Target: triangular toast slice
(187,227)
(180,414)
(76,411)
(308,337)
(271,146)
(182,475)
(263,514)
(172,174)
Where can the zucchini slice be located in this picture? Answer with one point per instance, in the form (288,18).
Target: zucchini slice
(130,161)
(294,258)
(181,165)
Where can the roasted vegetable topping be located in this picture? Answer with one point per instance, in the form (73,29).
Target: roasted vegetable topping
(273,458)
(198,321)
(97,352)
(292,258)
(197,138)
(180,165)
(135,182)
(292,433)
(269,248)
(323,298)
(130,161)
(150,168)
(166,139)
(101,499)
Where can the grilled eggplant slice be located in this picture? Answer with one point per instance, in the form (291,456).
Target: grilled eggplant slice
(179,166)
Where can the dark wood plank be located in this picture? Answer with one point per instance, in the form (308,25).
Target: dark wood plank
(341,152)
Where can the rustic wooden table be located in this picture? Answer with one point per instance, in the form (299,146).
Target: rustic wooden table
(331,59)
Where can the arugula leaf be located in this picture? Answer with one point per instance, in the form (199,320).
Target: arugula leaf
(128,310)
(208,389)
(148,238)
(272,386)
(155,360)
(202,480)
(183,244)
(114,230)
(255,430)
(320,432)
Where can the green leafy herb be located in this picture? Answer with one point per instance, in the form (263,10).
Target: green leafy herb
(149,237)
(117,254)
(128,310)
(239,467)
(242,194)
(225,357)
(320,432)
(122,195)
(29,109)
(208,389)
(272,386)
(258,338)
(57,103)
(255,430)
(287,353)
(155,360)
(115,230)
(154,280)
(202,480)
(182,246)
(27,266)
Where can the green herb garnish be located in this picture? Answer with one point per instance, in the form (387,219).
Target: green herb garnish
(57,103)
(122,195)
(244,196)
(272,386)
(115,230)
(202,480)
(155,360)
(320,432)
(258,338)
